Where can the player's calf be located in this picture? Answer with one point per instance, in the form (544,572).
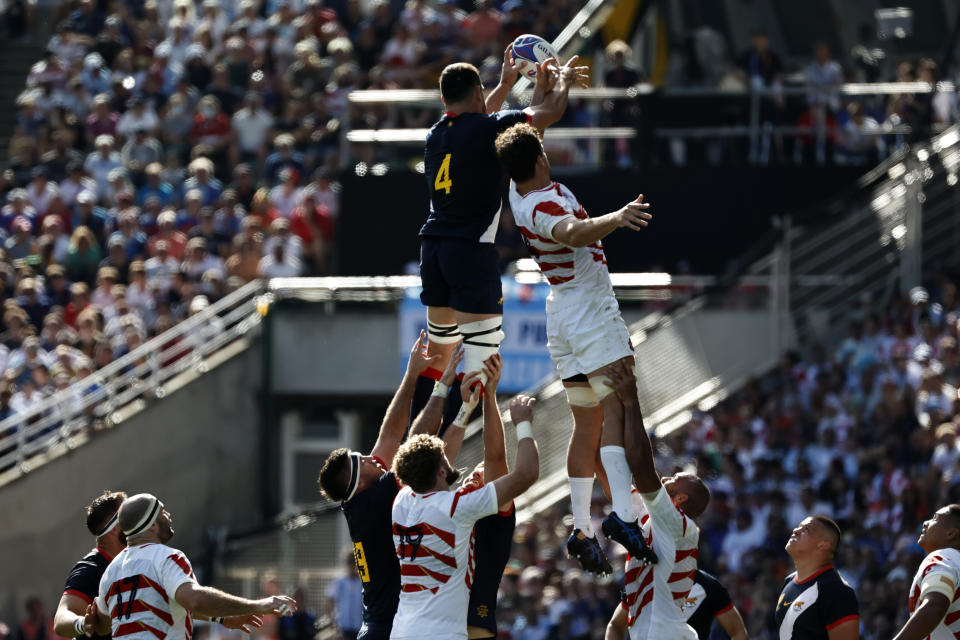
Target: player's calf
(481,339)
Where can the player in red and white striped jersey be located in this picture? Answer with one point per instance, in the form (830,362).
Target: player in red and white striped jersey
(934,595)
(584,333)
(433,529)
(656,593)
(148,591)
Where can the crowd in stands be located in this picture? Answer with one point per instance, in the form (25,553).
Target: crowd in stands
(866,433)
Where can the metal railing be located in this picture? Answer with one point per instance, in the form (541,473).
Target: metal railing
(139,375)
(900,223)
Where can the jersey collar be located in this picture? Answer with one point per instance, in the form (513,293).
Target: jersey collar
(450,114)
(104,553)
(541,189)
(814,574)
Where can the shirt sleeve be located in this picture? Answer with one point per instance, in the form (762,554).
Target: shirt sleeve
(509,117)
(548,214)
(83,582)
(472,503)
(666,514)
(940,576)
(175,570)
(718,598)
(840,605)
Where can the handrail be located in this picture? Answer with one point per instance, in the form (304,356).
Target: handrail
(138,373)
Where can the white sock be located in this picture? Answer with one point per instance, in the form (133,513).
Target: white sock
(618,475)
(581,490)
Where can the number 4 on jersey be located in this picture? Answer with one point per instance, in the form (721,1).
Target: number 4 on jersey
(443,181)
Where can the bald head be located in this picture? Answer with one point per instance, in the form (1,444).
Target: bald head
(139,513)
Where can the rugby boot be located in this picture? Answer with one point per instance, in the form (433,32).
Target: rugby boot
(588,552)
(630,535)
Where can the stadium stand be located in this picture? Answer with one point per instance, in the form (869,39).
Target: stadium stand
(166,154)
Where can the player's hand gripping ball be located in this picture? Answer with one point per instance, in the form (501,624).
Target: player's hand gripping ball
(529,50)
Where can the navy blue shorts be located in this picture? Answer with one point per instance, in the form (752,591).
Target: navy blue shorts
(462,274)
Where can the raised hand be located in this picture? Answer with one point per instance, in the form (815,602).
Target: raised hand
(450,373)
(492,367)
(521,409)
(547,75)
(573,74)
(245,623)
(470,388)
(622,380)
(634,215)
(418,362)
(510,69)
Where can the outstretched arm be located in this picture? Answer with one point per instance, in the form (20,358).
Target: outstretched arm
(212,603)
(575,232)
(527,468)
(554,102)
(494,446)
(431,417)
(470,392)
(635,438)
(508,77)
(394,424)
(617,627)
(68,620)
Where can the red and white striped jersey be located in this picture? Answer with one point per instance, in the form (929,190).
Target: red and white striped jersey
(433,534)
(655,594)
(940,572)
(536,214)
(137,592)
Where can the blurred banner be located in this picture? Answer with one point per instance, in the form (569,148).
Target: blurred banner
(524,350)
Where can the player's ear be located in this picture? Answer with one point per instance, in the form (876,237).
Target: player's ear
(680,499)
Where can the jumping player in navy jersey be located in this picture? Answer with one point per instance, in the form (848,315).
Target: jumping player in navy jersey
(458,259)
(83,583)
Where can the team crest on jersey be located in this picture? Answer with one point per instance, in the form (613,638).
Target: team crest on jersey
(483,611)
(688,602)
(797,605)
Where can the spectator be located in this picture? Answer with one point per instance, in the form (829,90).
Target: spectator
(345,599)
(251,127)
(101,162)
(37,625)
(279,264)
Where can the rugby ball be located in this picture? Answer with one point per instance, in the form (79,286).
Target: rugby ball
(528,50)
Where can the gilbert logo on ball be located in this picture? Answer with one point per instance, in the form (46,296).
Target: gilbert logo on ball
(528,50)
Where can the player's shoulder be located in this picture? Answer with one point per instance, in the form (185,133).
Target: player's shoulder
(832,579)
(708,581)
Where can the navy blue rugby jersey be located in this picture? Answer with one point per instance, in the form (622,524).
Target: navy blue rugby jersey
(84,579)
(370,521)
(465,179)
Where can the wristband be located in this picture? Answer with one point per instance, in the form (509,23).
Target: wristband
(217,620)
(78,627)
(463,415)
(524,430)
(440,390)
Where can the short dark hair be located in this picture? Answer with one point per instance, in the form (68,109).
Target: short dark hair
(953,512)
(698,496)
(458,81)
(519,148)
(417,462)
(102,509)
(833,530)
(333,475)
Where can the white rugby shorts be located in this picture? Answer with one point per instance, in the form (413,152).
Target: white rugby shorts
(586,333)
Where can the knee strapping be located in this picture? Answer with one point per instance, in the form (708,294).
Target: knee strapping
(600,387)
(581,397)
(481,339)
(443,333)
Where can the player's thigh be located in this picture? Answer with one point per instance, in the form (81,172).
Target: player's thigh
(600,337)
(435,290)
(472,272)
(561,351)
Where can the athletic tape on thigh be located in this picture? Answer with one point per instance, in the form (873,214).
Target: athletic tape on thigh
(481,340)
(581,396)
(443,333)
(599,386)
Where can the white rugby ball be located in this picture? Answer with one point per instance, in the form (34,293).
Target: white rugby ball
(528,50)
